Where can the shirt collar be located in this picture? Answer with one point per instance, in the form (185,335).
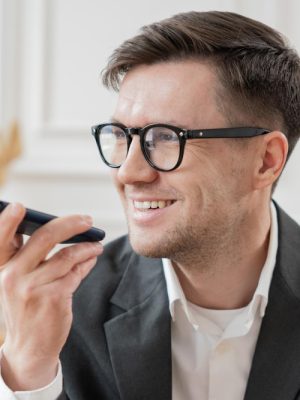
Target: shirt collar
(261,294)
(262,289)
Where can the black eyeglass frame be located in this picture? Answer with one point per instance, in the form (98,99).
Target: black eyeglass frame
(183,136)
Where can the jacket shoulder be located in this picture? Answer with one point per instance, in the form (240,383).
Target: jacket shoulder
(288,254)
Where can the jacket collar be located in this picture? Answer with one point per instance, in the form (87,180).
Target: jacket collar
(139,339)
(276,363)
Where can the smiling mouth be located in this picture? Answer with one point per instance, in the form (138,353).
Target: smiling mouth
(149,205)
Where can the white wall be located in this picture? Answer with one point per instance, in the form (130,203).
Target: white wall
(1,40)
(53,52)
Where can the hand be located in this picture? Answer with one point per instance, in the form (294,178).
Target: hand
(36,294)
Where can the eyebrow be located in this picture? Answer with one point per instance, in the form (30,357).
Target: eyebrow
(169,122)
(112,119)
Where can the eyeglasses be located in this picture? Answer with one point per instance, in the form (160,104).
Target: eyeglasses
(162,145)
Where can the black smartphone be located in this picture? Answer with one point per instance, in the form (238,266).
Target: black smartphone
(35,219)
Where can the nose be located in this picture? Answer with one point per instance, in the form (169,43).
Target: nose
(135,168)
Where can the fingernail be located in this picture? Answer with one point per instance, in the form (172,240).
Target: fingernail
(15,209)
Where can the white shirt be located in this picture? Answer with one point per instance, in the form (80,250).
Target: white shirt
(212,350)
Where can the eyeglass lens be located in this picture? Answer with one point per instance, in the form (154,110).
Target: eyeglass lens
(161,146)
(113,143)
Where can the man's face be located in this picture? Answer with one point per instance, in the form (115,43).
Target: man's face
(202,204)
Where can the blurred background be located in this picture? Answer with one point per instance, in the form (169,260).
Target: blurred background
(51,56)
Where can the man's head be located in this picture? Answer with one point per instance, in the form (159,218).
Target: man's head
(259,73)
(202,71)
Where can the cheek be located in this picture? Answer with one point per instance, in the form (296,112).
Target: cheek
(115,180)
(210,180)
(221,167)
(204,169)
(113,176)
(204,159)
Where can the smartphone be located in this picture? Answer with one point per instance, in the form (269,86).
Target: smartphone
(35,219)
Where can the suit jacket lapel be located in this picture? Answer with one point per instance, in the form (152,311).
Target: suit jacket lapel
(276,364)
(139,339)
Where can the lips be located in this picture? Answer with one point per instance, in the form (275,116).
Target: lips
(148,211)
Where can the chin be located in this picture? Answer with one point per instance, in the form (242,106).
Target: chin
(146,246)
(152,246)
(143,248)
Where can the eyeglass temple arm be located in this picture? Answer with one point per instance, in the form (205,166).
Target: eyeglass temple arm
(225,133)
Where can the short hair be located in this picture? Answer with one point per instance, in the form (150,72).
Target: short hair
(258,71)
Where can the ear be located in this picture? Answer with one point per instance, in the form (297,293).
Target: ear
(272,157)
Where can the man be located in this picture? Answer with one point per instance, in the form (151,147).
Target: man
(208,112)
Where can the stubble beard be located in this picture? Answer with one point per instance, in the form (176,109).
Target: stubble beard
(193,242)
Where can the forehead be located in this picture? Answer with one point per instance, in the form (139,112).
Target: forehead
(181,92)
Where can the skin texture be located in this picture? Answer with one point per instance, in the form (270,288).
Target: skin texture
(216,230)
(36,294)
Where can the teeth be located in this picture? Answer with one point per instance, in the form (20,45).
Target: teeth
(161,204)
(154,204)
(146,205)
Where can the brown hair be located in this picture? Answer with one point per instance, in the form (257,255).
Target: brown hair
(258,71)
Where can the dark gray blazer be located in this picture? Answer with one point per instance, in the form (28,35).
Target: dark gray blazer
(120,343)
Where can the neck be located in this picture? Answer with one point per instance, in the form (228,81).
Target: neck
(230,280)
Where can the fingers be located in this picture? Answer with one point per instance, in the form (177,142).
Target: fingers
(10,218)
(71,281)
(45,238)
(36,292)
(18,241)
(62,262)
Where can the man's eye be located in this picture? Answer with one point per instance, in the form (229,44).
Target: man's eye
(119,134)
(150,144)
(164,136)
